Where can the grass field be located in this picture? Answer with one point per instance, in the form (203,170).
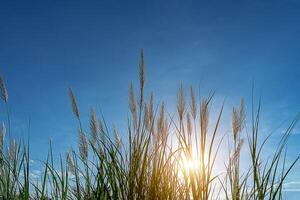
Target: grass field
(163,157)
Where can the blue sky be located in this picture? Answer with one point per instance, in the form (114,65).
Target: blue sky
(93,46)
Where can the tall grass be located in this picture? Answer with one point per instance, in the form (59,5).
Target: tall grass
(164,157)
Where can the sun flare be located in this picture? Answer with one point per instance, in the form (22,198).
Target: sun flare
(189,164)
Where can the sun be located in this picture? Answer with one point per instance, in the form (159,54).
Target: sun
(188,165)
(191,165)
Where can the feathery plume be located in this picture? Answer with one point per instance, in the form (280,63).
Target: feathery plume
(146,117)
(189,124)
(151,110)
(237,151)
(12,151)
(132,103)
(70,163)
(74,103)
(117,138)
(204,115)
(238,120)
(142,76)
(161,126)
(180,102)
(94,126)
(4,94)
(101,132)
(83,146)
(2,136)
(193,104)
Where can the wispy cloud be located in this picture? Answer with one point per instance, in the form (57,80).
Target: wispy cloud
(292,186)
(35,174)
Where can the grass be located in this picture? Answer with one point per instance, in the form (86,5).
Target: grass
(165,156)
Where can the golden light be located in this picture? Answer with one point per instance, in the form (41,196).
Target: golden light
(188,165)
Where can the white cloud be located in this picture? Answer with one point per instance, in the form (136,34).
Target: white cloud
(292,186)
(35,174)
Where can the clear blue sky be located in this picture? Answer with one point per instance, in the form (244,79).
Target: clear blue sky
(93,46)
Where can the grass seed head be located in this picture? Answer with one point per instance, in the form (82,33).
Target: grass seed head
(142,76)
(189,124)
(238,120)
(2,136)
(193,104)
(94,126)
(180,102)
(204,115)
(70,163)
(83,146)
(74,103)
(4,93)
(132,103)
